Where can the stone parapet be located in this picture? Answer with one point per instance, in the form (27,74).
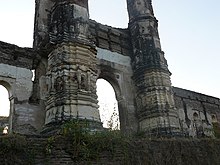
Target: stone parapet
(13,55)
(191,95)
(113,39)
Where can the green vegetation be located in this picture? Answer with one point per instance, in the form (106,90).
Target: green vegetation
(14,150)
(77,144)
(1,130)
(216,129)
(84,145)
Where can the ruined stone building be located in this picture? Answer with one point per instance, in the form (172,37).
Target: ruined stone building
(70,52)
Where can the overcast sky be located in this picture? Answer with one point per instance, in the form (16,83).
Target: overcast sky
(189,33)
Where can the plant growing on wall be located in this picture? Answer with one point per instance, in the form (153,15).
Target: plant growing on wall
(85,145)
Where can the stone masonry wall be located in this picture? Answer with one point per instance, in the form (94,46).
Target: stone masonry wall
(114,52)
(196,110)
(116,69)
(137,152)
(16,76)
(105,37)
(109,38)
(16,56)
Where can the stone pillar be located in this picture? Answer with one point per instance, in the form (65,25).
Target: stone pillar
(72,65)
(156,111)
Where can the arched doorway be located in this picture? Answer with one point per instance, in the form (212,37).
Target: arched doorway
(108,105)
(105,12)
(4,110)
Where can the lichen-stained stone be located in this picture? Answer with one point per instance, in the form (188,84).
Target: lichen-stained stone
(23,84)
(71,76)
(113,57)
(154,97)
(72,66)
(116,69)
(70,52)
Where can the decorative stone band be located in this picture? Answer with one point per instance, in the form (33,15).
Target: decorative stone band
(71,82)
(155,103)
(160,126)
(68,22)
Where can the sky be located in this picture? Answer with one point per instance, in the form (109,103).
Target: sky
(189,33)
(108,106)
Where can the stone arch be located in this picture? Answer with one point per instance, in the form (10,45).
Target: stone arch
(116,69)
(18,82)
(108,105)
(8,86)
(195,116)
(214,118)
(4,101)
(111,77)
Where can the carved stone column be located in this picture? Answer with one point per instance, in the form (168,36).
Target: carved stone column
(72,65)
(154,97)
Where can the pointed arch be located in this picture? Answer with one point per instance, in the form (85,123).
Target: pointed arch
(111,78)
(108,105)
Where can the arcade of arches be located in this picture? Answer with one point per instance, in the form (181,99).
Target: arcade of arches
(70,52)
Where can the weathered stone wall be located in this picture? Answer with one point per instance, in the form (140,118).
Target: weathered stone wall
(109,38)
(119,59)
(114,66)
(113,56)
(137,152)
(41,22)
(116,42)
(197,111)
(116,69)
(15,74)
(16,56)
